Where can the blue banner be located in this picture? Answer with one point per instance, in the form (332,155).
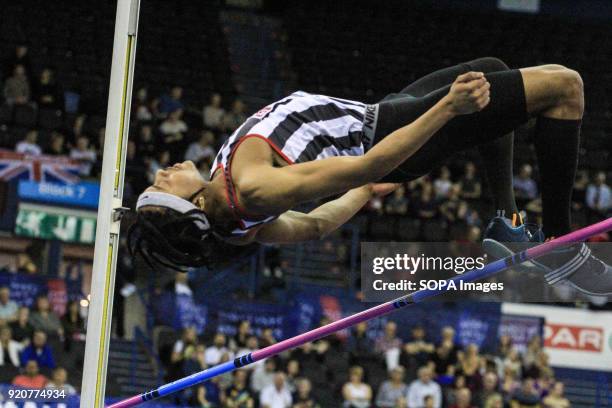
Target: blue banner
(83,194)
(26,288)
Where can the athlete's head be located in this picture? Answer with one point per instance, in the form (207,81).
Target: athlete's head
(172,227)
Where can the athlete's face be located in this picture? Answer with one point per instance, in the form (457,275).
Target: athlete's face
(182,179)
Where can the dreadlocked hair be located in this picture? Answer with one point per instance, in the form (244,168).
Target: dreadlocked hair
(173,240)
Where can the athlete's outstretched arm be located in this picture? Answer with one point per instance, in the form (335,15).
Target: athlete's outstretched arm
(293,226)
(266,189)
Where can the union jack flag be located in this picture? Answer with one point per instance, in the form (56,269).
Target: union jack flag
(54,169)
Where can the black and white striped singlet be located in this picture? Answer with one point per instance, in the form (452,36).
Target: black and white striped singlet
(300,128)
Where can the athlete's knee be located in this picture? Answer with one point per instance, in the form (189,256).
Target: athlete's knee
(571,87)
(488,64)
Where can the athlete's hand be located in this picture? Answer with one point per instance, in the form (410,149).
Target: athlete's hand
(469,93)
(383,189)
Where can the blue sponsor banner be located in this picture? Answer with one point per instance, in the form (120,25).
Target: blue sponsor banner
(84,194)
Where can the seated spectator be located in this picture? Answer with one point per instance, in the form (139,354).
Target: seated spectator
(445,358)
(8,307)
(303,398)
(469,365)
(173,131)
(359,345)
(423,386)
(84,154)
(525,186)
(392,392)
(17,87)
(389,339)
(194,360)
(495,401)
(19,57)
(29,144)
(234,118)
(9,355)
(469,185)
(219,348)
(266,337)
(450,208)
(426,206)
(277,394)
(463,399)
(242,336)
(171,102)
(534,347)
(45,320)
(540,367)
(39,350)
(238,394)
(489,387)
(555,398)
(355,392)
(397,203)
(202,149)
(250,346)
(47,91)
(31,378)
(146,146)
(504,346)
(513,363)
(57,145)
(22,328)
(599,197)
(73,324)
(510,381)
(526,396)
(59,381)
(443,184)
(213,113)
(141,106)
(263,377)
(183,349)
(417,351)
(202,398)
(293,371)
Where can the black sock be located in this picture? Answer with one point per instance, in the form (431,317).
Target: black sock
(556,142)
(497,158)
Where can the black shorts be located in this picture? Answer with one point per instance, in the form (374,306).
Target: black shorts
(506,111)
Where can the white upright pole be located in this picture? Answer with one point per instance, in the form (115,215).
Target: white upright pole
(109,208)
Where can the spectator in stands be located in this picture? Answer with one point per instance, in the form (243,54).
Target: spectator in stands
(57,145)
(182,349)
(469,185)
(238,395)
(513,362)
(445,358)
(489,387)
(20,57)
(276,395)
(242,336)
(39,350)
(202,149)
(469,365)
(202,397)
(47,92)
(463,399)
(303,398)
(417,351)
(425,206)
(235,117)
(171,102)
(59,381)
(360,346)
(525,187)
(250,345)
(555,398)
(29,144)
(392,392)
(8,307)
(443,184)
(495,401)
(526,396)
(173,130)
(262,377)
(45,320)
(454,209)
(389,339)
(534,347)
(422,387)
(146,143)
(598,198)
(84,154)
(355,392)
(142,106)
(293,372)
(266,338)
(397,203)
(540,368)
(31,378)
(9,354)
(17,87)
(219,348)
(213,113)
(22,328)
(504,346)
(73,324)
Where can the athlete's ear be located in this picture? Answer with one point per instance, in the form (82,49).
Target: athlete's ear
(199,197)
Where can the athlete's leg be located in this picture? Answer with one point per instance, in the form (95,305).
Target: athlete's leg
(555,94)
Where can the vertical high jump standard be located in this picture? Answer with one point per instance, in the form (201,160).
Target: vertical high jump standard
(109,206)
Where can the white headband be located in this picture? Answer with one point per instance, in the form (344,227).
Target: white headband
(159,199)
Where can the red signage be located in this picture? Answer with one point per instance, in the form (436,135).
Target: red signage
(577,338)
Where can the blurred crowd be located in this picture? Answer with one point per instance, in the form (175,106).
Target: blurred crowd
(34,342)
(362,371)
